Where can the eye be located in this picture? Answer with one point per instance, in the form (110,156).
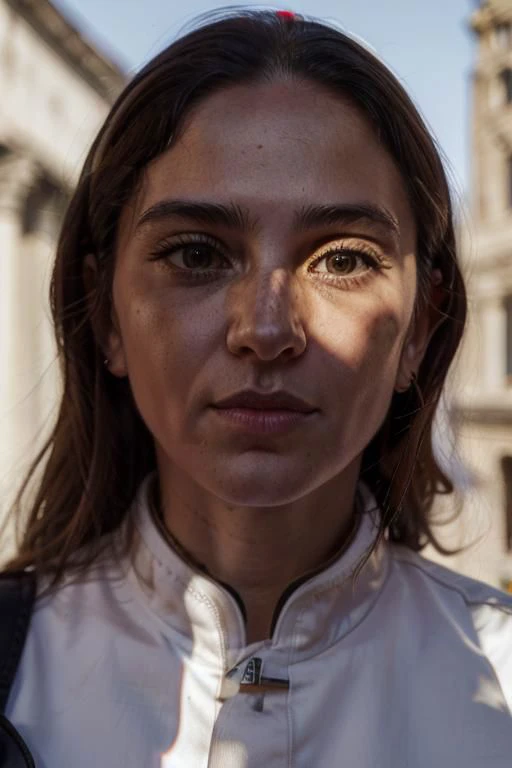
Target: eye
(192,255)
(197,256)
(344,262)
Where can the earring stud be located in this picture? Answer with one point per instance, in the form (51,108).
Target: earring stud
(412,379)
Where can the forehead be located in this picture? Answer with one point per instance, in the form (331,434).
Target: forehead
(276,146)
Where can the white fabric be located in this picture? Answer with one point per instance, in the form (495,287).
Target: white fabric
(411,668)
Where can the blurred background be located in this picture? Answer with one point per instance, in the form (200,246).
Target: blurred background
(62,63)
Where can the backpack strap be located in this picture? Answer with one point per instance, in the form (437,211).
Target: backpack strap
(17,594)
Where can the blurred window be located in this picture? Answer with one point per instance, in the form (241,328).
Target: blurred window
(506,79)
(506,468)
(508,315)
(509,181)
(42,210)
(503,35)
(495,92)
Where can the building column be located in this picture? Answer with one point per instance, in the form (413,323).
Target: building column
(16,176)
(494,344)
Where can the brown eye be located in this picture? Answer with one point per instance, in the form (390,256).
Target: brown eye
(196,257)
(192,256)
(343,262)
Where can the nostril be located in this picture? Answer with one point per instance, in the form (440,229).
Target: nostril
(267,343)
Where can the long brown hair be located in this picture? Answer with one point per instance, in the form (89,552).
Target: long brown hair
(100,449)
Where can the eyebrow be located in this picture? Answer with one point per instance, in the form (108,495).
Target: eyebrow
(234,216)
(231,216)
(313,216)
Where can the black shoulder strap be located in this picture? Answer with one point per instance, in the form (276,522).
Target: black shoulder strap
(17,593)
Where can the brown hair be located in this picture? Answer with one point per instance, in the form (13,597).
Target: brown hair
(100,449)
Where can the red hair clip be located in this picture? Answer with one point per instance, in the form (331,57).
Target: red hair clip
(286,15)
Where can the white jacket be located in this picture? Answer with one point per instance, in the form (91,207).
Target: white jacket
(148,667)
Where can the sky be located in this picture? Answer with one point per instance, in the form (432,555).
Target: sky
(428,44)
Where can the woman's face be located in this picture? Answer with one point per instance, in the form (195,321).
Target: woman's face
(270,250)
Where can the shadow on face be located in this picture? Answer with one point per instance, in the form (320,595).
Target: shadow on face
(269,250)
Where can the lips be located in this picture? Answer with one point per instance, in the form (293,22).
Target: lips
(257,401)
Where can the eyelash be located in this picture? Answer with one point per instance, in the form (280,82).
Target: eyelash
(373,260)
(169,247)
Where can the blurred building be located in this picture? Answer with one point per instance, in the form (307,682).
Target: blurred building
(56,90)
(482,390)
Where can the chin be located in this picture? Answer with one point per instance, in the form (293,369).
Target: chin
(254,487)
(258,498)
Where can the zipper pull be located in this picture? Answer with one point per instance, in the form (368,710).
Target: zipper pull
(251,680)
(252,672)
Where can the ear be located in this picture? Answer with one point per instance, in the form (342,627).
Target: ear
(422,328)
(104,321)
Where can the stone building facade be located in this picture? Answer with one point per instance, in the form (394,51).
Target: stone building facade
(56,90)
(482,386)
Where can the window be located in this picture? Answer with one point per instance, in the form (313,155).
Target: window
(508,182)
(494,92)
(503,35)
(506,468)
(508,316)
(42,209)
(506,79)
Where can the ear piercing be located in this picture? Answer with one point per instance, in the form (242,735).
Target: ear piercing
(412,380)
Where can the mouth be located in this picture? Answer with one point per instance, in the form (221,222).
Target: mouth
(257,401)
(274,413)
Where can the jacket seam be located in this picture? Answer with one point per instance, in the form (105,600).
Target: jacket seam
(290,725)
(503,606)
(199,597)
(372,603)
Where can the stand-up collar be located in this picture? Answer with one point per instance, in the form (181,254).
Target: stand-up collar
(314,616)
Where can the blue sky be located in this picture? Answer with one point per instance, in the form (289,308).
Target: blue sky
(428,44)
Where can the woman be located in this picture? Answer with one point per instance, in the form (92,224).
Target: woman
(256,300)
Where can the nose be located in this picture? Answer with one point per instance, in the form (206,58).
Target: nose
(266,317)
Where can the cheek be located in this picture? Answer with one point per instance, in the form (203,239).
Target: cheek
(145,318)
(165,340)
(154,351)
(143,329)
(365,339)
(146,334)
(367,362)
(384,333)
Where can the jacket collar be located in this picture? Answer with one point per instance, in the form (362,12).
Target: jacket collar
(206,616)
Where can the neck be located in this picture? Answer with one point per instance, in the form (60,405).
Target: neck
(258,552)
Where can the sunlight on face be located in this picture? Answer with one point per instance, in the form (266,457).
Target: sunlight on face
(270,249)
